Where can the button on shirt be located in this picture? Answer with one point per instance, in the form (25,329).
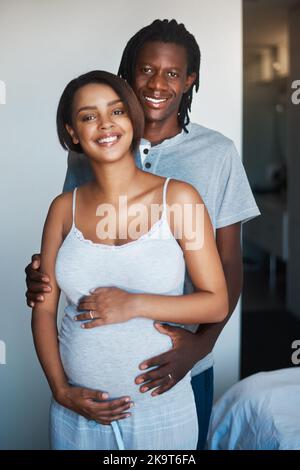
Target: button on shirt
(202,157)
(144,150)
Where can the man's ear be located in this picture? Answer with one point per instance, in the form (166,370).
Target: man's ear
(189,81)
(72,134)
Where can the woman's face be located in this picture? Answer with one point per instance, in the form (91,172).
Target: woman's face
(100,123)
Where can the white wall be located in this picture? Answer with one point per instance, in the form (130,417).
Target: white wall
(44,44)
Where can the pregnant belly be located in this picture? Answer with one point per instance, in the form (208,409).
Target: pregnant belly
(107,358)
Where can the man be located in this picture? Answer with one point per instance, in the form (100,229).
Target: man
(161,62)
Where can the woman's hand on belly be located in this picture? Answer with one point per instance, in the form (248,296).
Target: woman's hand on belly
(94,405)
(106,305)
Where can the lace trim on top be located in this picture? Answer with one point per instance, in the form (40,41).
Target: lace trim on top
(142,238)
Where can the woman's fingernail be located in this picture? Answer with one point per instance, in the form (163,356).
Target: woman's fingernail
(144,389)
(144,366)
(105,395)
(83,325)
(40,297)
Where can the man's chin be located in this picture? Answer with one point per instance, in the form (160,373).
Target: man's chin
(155,115)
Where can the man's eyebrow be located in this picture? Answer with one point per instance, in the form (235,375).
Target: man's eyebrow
(88,108)
(148,64)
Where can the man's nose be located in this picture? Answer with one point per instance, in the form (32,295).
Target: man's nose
(158,82)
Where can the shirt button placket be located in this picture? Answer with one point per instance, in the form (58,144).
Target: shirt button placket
(147,164)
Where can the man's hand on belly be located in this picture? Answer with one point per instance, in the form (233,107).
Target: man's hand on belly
(94,405)
(172,365)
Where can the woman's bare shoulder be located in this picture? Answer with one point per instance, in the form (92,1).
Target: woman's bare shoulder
(62,201)
(60,209)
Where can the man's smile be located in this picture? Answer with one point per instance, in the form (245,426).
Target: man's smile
(154,101)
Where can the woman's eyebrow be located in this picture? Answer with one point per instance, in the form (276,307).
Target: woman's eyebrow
(88,108)
(111,103)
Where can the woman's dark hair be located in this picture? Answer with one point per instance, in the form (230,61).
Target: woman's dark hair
(122,89)
(168,31)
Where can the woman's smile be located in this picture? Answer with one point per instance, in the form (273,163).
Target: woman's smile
(108,140)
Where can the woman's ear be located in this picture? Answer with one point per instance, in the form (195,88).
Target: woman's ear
(72,134)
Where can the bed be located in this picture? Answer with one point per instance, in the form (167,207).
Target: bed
(261,412)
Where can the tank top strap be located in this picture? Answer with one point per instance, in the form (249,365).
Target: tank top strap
(74,207)
(164,212)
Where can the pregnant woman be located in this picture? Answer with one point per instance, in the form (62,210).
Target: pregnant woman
(92,237)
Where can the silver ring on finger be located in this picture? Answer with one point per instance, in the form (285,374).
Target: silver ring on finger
(170,377)
(91,314)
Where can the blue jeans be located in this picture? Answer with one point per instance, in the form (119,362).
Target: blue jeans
(203,388)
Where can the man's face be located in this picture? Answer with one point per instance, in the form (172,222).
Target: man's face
(161,79)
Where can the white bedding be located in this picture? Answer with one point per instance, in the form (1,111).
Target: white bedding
(261,412)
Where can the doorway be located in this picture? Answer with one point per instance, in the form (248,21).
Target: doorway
(271,302)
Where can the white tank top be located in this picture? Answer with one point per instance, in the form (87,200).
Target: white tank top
(107,358)
(153,263)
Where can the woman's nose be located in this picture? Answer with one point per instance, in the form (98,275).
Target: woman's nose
(105,123)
